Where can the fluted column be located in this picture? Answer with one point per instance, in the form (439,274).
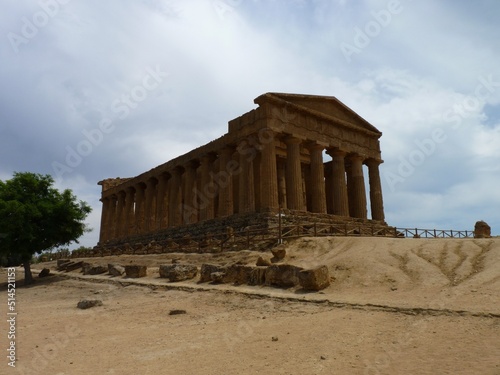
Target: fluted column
(376,201)
(112,217)
(104,219)
(317,179)
(120,219)
(339,187)
(129,220)
(161,202)
(190,208)
(282,184)
(294,193)
(149,208)
(328,187)
(269,174)
(225,176)
(246,193)
(208,188)
(139,207)
(358,187)
(174,195)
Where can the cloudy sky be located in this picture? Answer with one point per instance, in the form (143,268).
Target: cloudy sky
(94,89)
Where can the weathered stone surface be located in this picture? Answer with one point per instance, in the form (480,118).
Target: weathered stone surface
(257,276)
(207,270)
(61,263)
(279,254)
(238,274)
(482,230)
(44,272)
(261,261)
(73,266)
(115,269)
(314,279)
(217,277)
(135,271)
(87,304)
(282,275)
(93,269)
(178,272)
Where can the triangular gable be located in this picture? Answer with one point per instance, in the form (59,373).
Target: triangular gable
(328,106)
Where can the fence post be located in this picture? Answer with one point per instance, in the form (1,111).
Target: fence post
(435,235)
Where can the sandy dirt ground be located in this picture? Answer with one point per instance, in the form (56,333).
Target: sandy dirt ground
(395,306)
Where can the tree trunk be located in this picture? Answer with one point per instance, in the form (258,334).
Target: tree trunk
(28,277)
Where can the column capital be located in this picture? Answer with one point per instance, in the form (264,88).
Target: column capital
(334,151)
(371,162)
(290,139)
(356,157)
(314,145)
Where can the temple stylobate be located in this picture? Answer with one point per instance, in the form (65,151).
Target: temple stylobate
(300,153)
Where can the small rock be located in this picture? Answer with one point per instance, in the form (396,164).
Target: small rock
(393,288)
(44,273)
(323,357)
(261,262)
(274,338)
(87,304)
(278,254)
(177,312)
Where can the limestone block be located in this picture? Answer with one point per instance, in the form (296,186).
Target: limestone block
(257,276)
(282,275)
(115,270)
(61,263)
(44,273)
(207,270)
(238,274)
(482,230)
(73,266)
(178,272)
(135,271)
(261,261)
(314,279)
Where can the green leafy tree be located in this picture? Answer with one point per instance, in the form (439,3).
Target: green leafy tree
(36,217)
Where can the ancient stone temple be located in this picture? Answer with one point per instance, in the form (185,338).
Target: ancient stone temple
(306,155)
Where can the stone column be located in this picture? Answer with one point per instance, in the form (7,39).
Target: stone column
(358,187)
(120,217)
(226,170)
(376,201)
(208,189)
(339,187)
(129,221)
(111,226)
(174,201)
(269,174)
(328,187)
(317,179)
(282,184)
(161,202)
(190,208)
(139,207)
(294,193)
(104,219)
(149,206)
(246,193)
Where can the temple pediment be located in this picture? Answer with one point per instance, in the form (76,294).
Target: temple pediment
(328,106)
